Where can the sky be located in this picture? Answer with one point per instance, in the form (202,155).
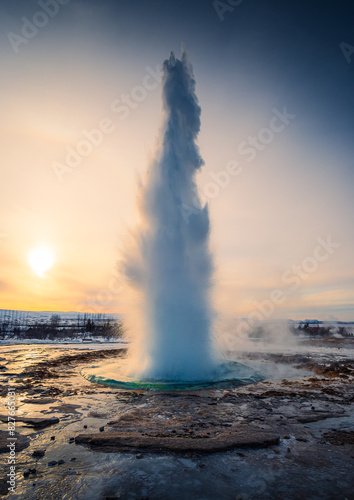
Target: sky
(81,112)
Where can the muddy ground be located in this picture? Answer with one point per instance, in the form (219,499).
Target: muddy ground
(288,437)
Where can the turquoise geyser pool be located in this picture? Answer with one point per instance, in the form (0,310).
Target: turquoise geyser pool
(229,373)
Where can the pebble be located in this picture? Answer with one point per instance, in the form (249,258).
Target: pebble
(26,473)
(72,459)
(38,453)
(85,426)
(71,440)
(52,438)
(60,462)
(53,462)
(101,429)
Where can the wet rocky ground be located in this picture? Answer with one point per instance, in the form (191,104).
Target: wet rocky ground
(288,437)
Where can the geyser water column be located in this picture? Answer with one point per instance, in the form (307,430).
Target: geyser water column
(170,262)
(173,263)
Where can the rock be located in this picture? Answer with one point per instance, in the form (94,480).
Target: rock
(72,459)
(101,429)
(52,463)
(71,440)
(61,462)
(85,426)
(319,416)
(21,442)
(38,453)
(52,438)
(38,401)
(38,422)
(228,438)
(26,473)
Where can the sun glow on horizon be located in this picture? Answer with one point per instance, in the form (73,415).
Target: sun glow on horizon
(41,259)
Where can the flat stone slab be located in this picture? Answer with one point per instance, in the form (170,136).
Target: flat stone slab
(181,423)
(39,401)
(22,442)
(242,436)
(37,422)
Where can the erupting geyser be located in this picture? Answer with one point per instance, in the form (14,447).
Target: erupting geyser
(173,266)
(170,263)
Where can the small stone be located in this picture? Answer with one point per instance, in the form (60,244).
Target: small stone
(38,453)
(61,462)
(26,473)
(71,440)
(85,426)
(101,429)
(52,438)
(72,459)
(139,455)
(52,463)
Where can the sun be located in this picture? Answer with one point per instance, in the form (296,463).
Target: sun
(41,259)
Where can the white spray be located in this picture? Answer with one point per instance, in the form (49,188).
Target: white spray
(170,263)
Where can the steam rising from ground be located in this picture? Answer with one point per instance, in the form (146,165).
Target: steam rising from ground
(168,260)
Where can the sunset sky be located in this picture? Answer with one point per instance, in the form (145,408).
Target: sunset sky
(275,81)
